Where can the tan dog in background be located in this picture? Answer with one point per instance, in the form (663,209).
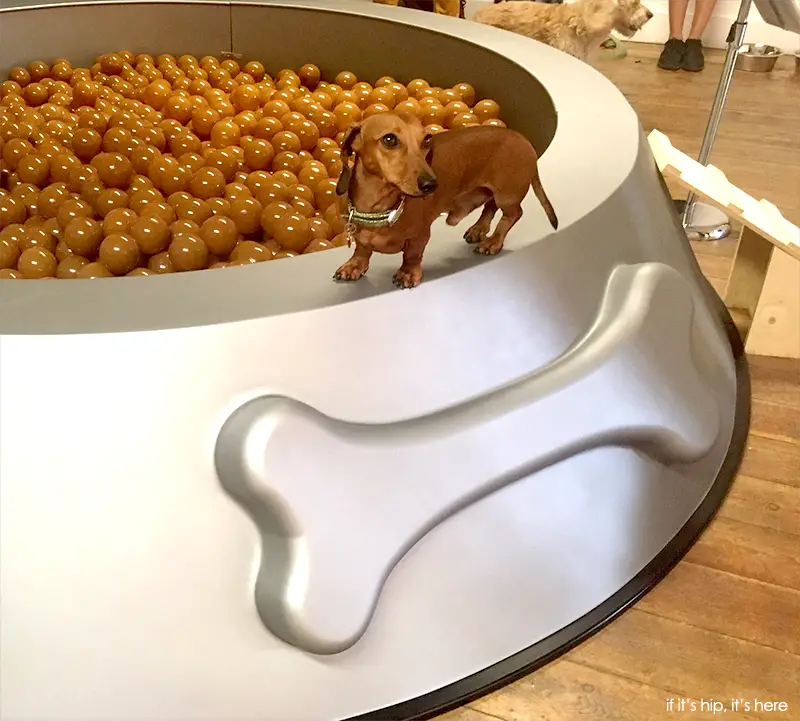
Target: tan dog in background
(576,28)
(454,8)
(393,166)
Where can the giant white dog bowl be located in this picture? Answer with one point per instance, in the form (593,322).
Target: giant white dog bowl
(256,494)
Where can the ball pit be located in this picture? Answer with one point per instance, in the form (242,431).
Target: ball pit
(143,164)
(449,509)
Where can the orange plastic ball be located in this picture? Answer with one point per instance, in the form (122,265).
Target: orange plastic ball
(463,120)
(245,97)
(140,199)
(267,128)
(157,93)
(467,93)
(485,110)
(73,208)
(310,76)
(161,210)
(275,109)
(20,76)
(256,70)
(119,140)
(83,236)
(35,94)
(408,107)
(313,173)
(259,154)
(14,150)
(113,169)
(188,252)
(270,191)
(51,199)
(86,143)
(119,253)
(287,162)
(36,263)
(70,266)
(250,251)
(451,110)
(225,133)
(110,199)
(292,232)
(325,194)
(178,107)
(346,79)
(152,234)
(272,213)
(112,64)
(207,183)
(173,180)
(220,235)
(34,169)
(223,161)
(94,270)
(197,211)
(246,212)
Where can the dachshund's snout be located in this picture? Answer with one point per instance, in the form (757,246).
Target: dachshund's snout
(649,15)
(427,183)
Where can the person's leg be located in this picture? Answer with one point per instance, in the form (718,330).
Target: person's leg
(677,17)
(703,10)
(674,49)
(693,58)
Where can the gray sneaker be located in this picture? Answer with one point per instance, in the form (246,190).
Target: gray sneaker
(672,54)
(693,59)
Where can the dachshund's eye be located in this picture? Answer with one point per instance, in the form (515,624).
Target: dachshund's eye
(426,141)
(390,140)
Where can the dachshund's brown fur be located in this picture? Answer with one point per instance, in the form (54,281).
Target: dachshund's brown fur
(389,156)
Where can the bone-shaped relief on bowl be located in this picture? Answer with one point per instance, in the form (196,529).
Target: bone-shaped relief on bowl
(338,504)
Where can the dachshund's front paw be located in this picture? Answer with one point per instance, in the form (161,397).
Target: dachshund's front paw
(408,277)
(475,234)
(489,246)
(351,270)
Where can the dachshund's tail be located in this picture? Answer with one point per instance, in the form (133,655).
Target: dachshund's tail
(538,191)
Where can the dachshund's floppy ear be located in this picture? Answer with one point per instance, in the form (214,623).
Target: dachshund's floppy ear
(348,161)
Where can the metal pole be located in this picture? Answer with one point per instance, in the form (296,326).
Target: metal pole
(735,39)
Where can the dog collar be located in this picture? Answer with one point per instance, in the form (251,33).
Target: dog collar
(382,219)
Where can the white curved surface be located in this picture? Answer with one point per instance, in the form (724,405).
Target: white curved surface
(128,573)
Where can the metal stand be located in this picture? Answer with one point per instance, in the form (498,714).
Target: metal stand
(701,221)
(707,223)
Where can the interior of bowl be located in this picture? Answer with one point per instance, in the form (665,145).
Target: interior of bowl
(759,50)
(280,34)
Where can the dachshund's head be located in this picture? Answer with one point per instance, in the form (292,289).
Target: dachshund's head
(393,147)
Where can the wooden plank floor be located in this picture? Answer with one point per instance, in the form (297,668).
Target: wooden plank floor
(758,143)
(725,624)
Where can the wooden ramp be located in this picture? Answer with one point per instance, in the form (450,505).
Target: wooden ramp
(763,226)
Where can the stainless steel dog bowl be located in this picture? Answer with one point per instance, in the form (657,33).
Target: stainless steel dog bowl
(757,57)
(256,494)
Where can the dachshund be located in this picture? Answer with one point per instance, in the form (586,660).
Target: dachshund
(397,179)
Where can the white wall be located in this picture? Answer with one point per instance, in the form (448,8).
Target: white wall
(657,30)
(724,14)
